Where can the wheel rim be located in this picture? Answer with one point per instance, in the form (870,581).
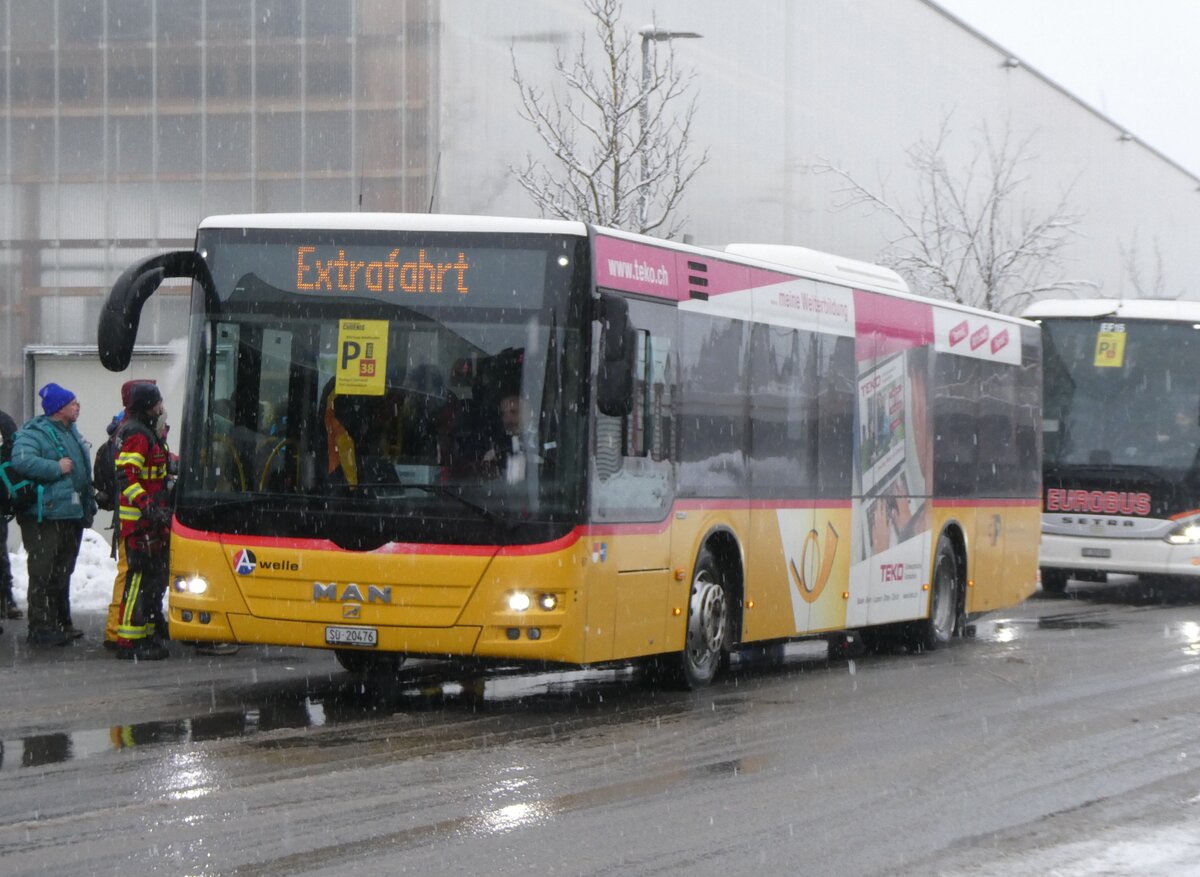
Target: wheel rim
(708,620)
(941,614)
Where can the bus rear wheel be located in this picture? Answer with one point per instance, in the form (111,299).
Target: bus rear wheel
(937,630)
(706,648)
(369,663)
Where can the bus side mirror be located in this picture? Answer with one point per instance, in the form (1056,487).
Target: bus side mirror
(122,311)
(614,378)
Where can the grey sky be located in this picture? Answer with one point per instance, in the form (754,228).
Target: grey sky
(1136,61)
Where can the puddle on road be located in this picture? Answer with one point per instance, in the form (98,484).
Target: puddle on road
(1006,630)
(345,699)
(1072,622)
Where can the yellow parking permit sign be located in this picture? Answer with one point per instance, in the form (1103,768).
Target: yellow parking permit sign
(1110,349)
(362,357)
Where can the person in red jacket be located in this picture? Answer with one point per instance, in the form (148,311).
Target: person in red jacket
(145,517)
(114,607)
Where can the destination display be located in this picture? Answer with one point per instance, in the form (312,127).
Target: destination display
(411,275)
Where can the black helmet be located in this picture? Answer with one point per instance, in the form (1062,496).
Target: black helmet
(143,397)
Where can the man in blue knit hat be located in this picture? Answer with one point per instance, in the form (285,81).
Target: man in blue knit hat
(49,451)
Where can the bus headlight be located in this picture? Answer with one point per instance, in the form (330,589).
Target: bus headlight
(192,585)
(1185,532)
(548,601)
(519,601)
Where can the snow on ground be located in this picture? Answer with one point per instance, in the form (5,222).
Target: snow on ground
(1119,851)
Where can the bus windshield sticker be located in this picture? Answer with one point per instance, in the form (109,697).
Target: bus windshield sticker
(362,357)
(1110,346)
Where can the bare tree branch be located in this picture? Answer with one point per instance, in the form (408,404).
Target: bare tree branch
(589,129)
(970,236)
(1153,287)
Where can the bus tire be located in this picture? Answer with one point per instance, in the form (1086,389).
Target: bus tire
(706,645)
(1054,581)
(937,630)
(369,663)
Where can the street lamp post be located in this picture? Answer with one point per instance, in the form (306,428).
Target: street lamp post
(649,34)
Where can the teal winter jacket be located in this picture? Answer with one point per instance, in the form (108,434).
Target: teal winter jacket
(37,448)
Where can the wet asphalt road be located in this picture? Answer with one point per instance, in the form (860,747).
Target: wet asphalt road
(1059,719)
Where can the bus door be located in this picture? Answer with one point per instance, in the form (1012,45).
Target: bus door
(632,477)
(998,478)
(781,559)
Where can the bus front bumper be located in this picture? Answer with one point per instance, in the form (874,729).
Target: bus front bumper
(1130,556)
(531,642)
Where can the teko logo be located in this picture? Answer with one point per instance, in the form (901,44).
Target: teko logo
(891,572)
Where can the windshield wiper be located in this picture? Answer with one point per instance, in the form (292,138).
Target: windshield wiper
(441,490)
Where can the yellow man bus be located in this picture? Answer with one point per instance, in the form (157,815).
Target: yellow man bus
(535,440)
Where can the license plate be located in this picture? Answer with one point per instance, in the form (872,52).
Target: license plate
(351,636)
(1097,552)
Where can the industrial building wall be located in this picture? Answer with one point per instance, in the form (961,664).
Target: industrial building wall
(784,86)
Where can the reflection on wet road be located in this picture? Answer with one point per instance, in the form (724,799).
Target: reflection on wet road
(346,700)
(805,759)
(444,685)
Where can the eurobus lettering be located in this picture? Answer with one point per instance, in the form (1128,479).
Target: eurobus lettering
(602,448)
(1099,501)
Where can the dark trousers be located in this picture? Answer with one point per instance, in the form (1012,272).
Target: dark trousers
(53,547)
(141,602)
(7,597)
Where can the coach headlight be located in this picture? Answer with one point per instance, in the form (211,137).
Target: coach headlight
(1185,532)
(519,601)
(191,585)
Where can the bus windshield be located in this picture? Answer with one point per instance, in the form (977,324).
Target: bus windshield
(372,387)
(1121,394)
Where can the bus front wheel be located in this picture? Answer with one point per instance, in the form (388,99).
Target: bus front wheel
(1054,581)
(368,663)
(706,648)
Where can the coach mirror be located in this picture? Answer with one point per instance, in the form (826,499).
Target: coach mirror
(122,312)
(614,377)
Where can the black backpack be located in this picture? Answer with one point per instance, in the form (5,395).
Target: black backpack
(104,472)
(17,494)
